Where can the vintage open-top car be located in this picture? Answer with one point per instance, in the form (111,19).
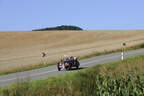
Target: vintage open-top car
(68,62)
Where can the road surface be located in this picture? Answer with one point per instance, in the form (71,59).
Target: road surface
(52,70)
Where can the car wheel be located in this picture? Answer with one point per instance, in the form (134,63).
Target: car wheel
(68,68)
(77,67)
(59,69)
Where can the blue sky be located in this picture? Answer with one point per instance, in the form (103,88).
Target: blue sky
(24,15)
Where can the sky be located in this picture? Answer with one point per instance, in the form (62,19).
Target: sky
(26,15)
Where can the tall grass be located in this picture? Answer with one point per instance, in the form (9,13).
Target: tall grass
(123,78)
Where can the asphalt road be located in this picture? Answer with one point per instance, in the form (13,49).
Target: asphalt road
(52,70)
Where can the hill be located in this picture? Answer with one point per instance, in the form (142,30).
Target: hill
(63,27)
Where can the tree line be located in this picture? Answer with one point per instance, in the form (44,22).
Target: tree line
(62,27)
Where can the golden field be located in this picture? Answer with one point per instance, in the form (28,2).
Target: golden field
(23,49)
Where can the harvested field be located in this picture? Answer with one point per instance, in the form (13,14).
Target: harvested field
(22,49)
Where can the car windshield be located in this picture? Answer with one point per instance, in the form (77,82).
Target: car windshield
(65,59)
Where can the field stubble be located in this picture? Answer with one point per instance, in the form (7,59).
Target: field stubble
(20,50)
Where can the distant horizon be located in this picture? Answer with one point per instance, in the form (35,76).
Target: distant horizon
(78,30)
(74,30)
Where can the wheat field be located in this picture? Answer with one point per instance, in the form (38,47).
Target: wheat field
(23,49)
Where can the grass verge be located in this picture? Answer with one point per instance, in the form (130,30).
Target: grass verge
(124,78)
(41,65)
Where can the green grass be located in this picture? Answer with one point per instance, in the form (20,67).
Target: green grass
(41,65)
(124,78)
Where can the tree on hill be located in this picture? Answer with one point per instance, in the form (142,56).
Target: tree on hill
(62,27)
